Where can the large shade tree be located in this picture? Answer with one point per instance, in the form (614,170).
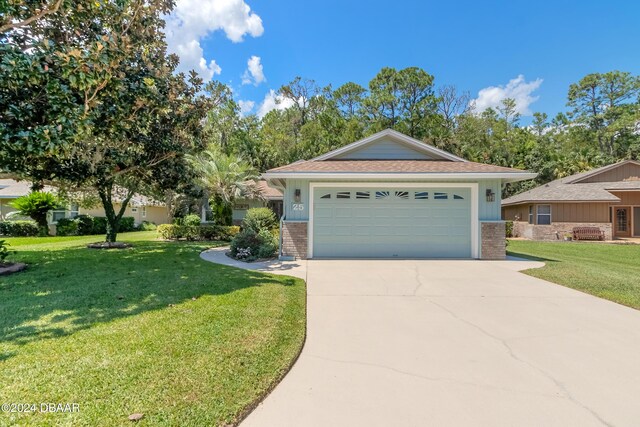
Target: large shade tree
(89,97)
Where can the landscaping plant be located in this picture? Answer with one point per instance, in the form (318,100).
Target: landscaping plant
(4,251)
(36,205)
(258,219)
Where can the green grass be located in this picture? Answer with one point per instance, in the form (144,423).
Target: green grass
(151,329)
(609,271)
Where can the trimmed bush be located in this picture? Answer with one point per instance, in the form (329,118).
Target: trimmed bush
(258,219)
(67,227)
(127,223)
(85,225)
(147,226)
(19,228)
(200,232)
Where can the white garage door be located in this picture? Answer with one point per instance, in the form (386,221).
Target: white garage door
(380,222)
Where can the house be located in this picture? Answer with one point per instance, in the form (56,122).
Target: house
(269,197)
(607,197)
(9,191)
(392,196)
(141,208)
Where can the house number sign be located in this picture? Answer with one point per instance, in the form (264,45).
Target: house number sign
(298,206)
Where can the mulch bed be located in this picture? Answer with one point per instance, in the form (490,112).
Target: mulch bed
(108,245)
(10,268)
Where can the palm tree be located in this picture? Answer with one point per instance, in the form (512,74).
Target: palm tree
(224,176)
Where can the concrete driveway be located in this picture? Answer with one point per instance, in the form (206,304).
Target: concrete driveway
(414,343)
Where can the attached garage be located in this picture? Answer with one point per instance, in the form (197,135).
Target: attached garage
(390,196)
(391,222)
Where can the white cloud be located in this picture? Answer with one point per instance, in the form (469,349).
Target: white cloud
(246,106)
(518,89)
(254,73)
(193,20)
(272,101)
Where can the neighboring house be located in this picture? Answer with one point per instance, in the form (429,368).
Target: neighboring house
(270,198)
(607,197)
(9,191)
(140,207)
(392,196)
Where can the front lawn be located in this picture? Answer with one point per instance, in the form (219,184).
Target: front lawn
(608,271)
(152,329)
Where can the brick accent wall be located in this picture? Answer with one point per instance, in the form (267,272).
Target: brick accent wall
(556,230)
(294,239)
(493,242)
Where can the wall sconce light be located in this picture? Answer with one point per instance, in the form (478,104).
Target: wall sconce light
(491,196)
(296,195)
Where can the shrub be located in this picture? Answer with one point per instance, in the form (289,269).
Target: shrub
(246,245)
(167,231)
(147,226)
(99,225)
(36,205)
(67,227)
(4,251)
(85,225)
(127,223)
(269,246)
(19,228)
(191,220)
(249,245)
(200,232)
(508,225)
(226,232)
(258,219)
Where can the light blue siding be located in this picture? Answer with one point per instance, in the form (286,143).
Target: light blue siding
(489,211)
(289,200)
(385,149)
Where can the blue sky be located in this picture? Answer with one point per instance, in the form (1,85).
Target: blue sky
(473,45)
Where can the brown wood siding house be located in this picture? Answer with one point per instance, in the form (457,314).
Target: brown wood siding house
(607,197)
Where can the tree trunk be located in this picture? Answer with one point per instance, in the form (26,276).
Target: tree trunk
(113,218)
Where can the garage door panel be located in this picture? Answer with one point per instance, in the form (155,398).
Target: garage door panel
(392,223)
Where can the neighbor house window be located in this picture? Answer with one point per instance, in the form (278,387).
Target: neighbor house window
(531,214)
(134,210)
(144,212)
(544,214)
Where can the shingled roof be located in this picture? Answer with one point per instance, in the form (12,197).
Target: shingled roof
(391,166)
(569,189)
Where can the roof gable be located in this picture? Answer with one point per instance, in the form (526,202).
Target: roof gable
(627,170)
(389,145)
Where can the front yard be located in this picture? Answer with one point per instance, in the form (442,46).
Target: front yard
(610,271)
(152,329)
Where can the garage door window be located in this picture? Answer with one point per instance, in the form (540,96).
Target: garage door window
(326,196)
(422,195)
(456,197)
(363,195)
(440,196)
(343,195)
